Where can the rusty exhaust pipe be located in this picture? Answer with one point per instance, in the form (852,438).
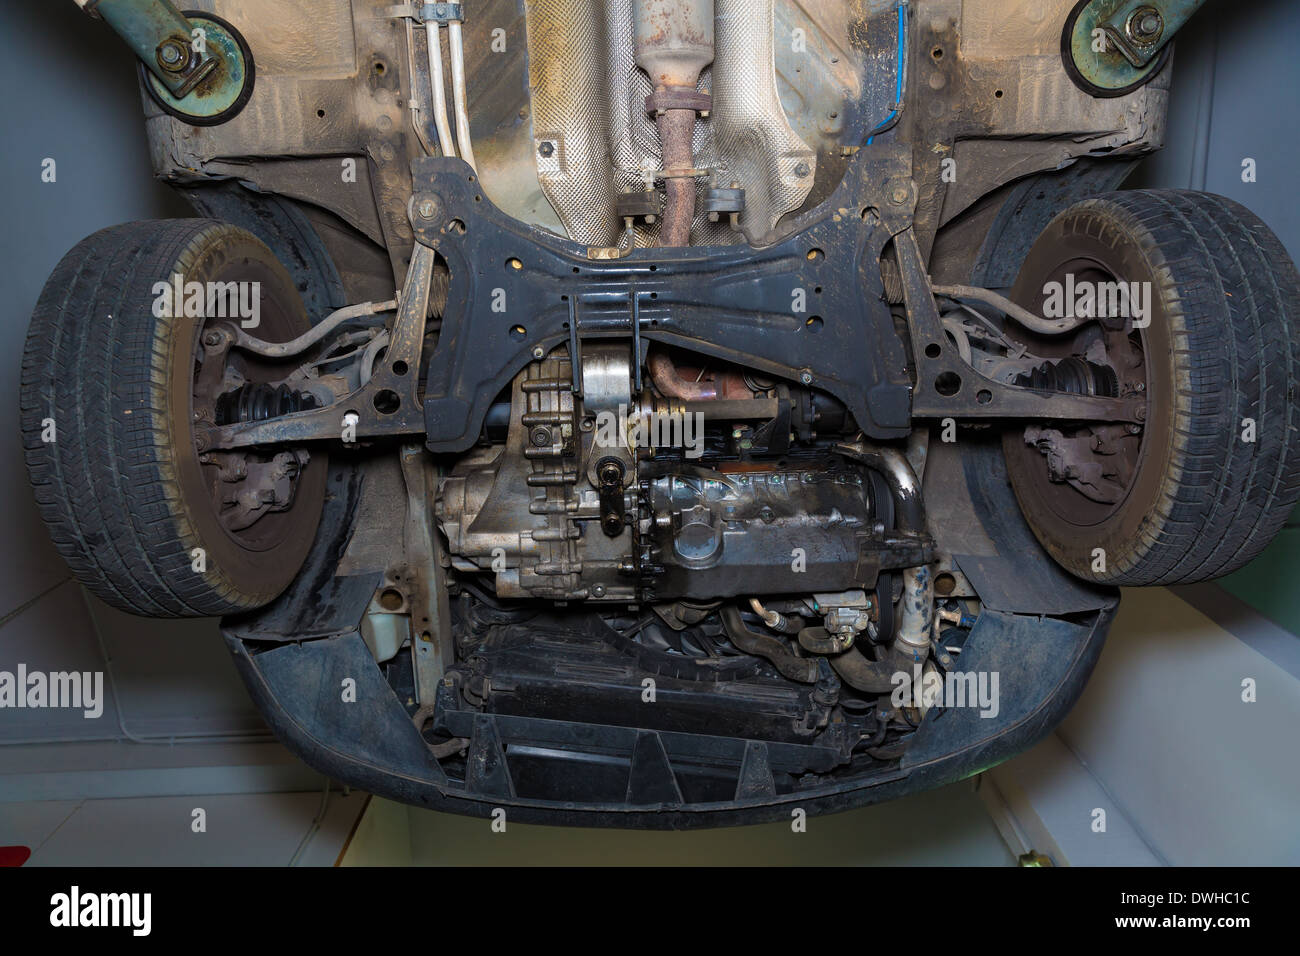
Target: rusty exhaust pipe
(674,43)
(663,372)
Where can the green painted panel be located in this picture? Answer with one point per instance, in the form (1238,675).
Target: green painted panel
(1270,583)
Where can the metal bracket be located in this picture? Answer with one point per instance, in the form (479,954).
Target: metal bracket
(800,308)
(808,307)
(427,12)
(162,37)
(431,641)
(386,405)
(1136,39)
(948,387)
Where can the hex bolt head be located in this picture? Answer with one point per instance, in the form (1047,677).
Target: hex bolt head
(802,170)
(899,195)
(1145,25)
(172,56)
(546,149)
(806,377)
(212,339)
(598,590)
(426,208)
(539,352)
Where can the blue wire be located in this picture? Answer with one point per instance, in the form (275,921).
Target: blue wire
(899,72)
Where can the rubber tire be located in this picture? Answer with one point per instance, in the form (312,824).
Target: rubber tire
(117,487)
(1223,346)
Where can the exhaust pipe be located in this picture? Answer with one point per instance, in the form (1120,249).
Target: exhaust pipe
(912,644)
(674,43)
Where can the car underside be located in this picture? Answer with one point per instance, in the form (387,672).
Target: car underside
(662,413)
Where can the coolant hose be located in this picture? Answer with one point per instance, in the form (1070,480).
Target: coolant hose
(801,669)
(868,676)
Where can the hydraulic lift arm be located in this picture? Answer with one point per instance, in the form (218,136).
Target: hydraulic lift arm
(1111,47)
(196,66)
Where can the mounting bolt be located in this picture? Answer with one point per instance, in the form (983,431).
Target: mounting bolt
(1145,25)
(546,148)
(539,352)
(172,55)
(212,339)
(426,208)
(541,437)
(802,170)
(805,377)
(899,195)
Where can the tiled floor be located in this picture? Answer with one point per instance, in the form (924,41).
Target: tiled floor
(247,829)
(125,804)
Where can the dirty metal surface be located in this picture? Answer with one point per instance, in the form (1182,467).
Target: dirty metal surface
(800,295)
(986,87)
